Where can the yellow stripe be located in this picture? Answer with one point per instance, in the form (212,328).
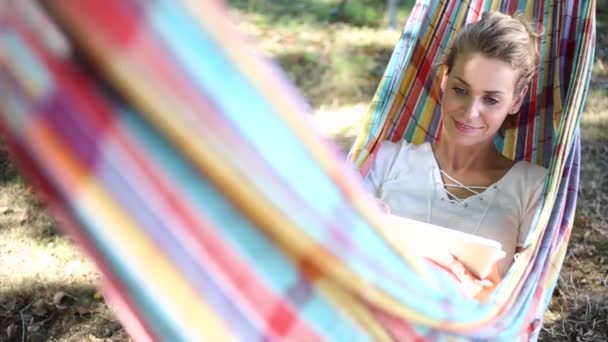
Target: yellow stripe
(247,197)
(529,11)
(509,146)
(188,307)
(419,133)
(287,234)
(184,303)
(354,309)
(213,21)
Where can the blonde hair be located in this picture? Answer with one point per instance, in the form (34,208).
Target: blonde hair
(511,39)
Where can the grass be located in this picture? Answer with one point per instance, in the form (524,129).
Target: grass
(47,287)
(278,13)
(333,64)
(594,122)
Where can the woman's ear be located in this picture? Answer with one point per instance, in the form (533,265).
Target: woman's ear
(518,101)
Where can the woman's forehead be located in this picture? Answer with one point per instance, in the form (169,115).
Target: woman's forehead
(483,73)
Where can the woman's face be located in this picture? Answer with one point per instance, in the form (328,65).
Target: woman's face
(478,94)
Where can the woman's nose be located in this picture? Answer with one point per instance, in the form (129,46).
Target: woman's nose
(471,109)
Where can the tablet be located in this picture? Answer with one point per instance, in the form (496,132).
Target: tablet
(478,254)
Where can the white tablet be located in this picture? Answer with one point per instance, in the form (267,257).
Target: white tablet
(478,254)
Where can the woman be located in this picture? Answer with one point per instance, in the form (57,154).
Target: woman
(462,181)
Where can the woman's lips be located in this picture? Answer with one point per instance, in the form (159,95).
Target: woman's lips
(465,128)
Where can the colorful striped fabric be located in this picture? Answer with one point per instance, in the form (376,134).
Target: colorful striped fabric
(406,107)
(184,164)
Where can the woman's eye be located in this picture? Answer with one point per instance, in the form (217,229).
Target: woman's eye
(458,91)
(491,101)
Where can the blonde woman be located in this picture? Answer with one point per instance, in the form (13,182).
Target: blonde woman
(462,181)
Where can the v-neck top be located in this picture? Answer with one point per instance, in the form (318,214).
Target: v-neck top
(407,178)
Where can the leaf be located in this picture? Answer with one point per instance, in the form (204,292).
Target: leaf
(59,300)
(92,338)
(24,217)
(11,330)
(84,310)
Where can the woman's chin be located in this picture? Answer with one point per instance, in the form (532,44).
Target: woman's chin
(456,138)
(479,136)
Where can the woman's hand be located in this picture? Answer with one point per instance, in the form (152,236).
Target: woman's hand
(471,285)
(383,206)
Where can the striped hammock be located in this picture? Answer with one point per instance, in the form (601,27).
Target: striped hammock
(184,164)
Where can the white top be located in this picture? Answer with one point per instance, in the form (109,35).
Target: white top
(407,178)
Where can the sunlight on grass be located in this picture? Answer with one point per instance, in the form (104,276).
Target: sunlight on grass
(345,120)
(334,66)
(47,285)
(30,250)
(600,69)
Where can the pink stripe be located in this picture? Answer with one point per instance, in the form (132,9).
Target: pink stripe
(51,195)
(240,281)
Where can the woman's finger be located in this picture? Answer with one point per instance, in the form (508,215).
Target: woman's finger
(383,206)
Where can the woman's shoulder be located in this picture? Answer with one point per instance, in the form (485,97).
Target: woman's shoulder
(529,178)
(392,149)
(531,172)
(395,158)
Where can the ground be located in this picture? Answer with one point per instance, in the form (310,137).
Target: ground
(47,287)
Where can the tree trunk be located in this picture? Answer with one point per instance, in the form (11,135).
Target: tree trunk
(392,13)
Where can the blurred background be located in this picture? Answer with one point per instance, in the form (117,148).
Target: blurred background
(335,51)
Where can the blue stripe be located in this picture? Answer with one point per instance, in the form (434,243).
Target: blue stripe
(268,262)
(132,196)
(27,70)
(280,149)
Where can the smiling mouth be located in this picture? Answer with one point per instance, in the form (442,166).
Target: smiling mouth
(464,127)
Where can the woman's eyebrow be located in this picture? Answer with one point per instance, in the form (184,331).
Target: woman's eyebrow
(492,92)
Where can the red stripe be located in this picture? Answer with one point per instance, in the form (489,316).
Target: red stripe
(70,81)
(145,52)
(476,15)
(58,206)
(143,43)
(531,128)
(241,276)
(192,225)
(113,17)
(282,319)
(513,6)
(398,328)
(570,57)
(420,56)
(536,109)
(208,243)
(161,67)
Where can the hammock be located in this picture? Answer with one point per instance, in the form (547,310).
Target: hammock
(184,164)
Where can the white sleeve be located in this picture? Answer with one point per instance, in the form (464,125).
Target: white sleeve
(533,205)
(381,166)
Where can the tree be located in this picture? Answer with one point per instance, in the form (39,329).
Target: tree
(392,13)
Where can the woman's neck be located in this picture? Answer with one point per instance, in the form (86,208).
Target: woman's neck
(458,158)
